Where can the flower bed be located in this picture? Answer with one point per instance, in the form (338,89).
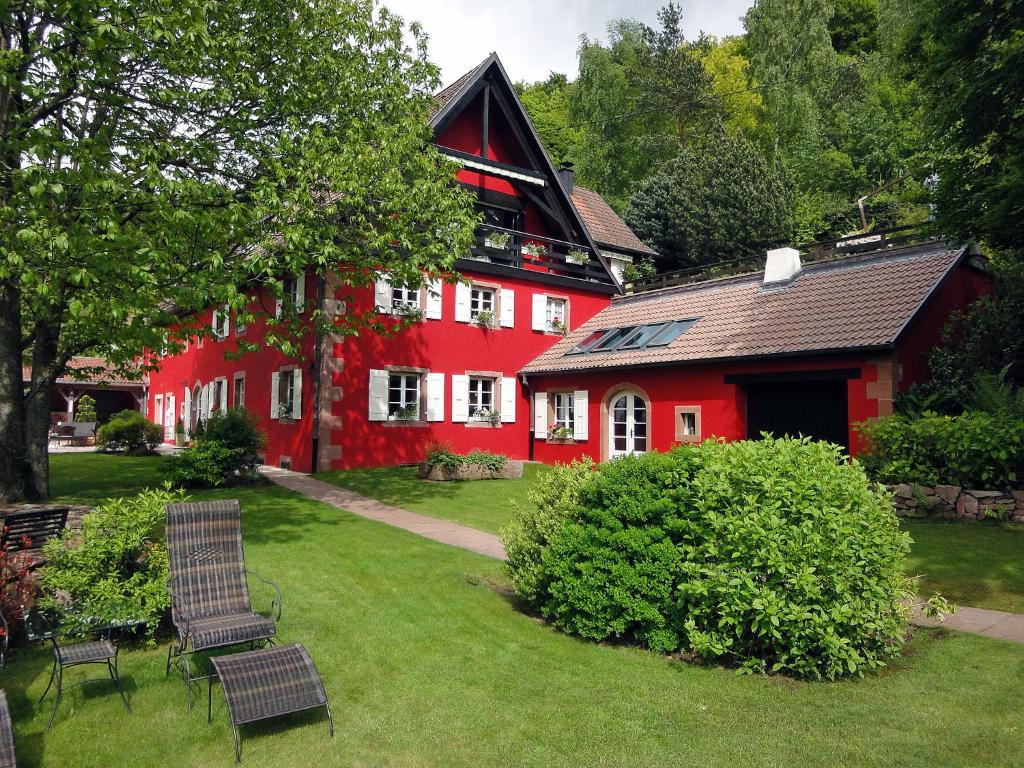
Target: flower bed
(512,470)
(956,503)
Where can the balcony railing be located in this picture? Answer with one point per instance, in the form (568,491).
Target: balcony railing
(524,250)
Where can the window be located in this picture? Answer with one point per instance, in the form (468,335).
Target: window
(641,336)
(481,398)
(221,322)
(688,424)
(480,300)
(671,332)
(563,414)
(555,318)
(633,337)
(405,298)
(404,397)
(612,339)
(218,395)
(238,396)
(240,325)
(286,394)
(158,408)
(587,343)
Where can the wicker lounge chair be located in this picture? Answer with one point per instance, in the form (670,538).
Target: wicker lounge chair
(210,604)
(6,735)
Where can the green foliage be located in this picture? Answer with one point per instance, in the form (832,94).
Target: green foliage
(553,503)
(153,149)
(115,568)
(442,455)
(208,464)
(718,200)
(495,462)
(773,555)
(85,409)
(969,59)
(237,428)
(130,432)
(547,104)
(974,450)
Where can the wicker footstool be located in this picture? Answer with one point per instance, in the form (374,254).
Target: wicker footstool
(264,683)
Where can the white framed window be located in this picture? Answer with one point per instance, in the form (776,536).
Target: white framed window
(481,397)
(555,315)
(238,395)
(158,409)
(286,394)
(404,396)
(293,295)
(218,395)
(404,298)
(480,300)
(563,413)
(221,322)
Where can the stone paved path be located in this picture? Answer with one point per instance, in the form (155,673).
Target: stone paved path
(977,621)
(433,528)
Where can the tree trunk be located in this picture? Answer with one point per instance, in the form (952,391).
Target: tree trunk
(16,476)
(46,365)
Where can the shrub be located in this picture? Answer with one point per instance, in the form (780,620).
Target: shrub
(442,455)
(495,462)
(236,428)
(206,464)
(129,431)
(774,555)
(17,591)
(115,568)
(85,410)
(974,450)
(553,502)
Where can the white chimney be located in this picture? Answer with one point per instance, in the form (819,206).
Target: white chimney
(782,264)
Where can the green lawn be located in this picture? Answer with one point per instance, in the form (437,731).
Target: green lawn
(428,663)
(89,478)
(972,564)
(482,504)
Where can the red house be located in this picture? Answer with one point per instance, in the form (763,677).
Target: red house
(537,354)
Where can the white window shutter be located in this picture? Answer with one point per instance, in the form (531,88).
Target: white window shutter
(507,301)
(215,323)
(378,395)
(435,397)
(460,398)
(540,308)
(297,394)
(509,395)
(580,399)
(188,411)
(223,405)
(275,394)
(540,414)
(227,322)
(461,303)
(300,293)
(382,294)
(433,310)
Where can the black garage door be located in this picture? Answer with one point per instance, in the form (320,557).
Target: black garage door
(810,408)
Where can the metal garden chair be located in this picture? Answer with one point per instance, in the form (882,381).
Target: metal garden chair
(210,604)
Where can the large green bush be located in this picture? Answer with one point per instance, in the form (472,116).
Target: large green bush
(225,451)
(115,568)
(974,450)
(773,555)
(553,501)
(129,431)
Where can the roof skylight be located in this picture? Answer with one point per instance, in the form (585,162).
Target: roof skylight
(633,337)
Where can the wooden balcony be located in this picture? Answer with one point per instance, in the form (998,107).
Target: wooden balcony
(525,250)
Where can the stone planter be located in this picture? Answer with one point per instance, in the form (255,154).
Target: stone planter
(511,471)
(956,503)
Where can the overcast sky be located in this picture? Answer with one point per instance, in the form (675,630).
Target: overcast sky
(536,37)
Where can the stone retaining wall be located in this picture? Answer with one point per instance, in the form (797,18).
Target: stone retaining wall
(511,471)
(956,503)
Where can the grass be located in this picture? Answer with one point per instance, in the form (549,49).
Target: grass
(981,564)
(483,504)
(89,478)
(428,662)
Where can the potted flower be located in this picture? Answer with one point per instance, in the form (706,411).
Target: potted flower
(491,417)
(497,240)
(558,326)
(484,318)
(408,312)
(179,434)
(577,256)
(535,251)
(409,413)
(560,432)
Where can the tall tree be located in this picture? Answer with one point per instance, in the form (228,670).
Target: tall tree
(547,103)
(158,154)
(718,200)
(970,61)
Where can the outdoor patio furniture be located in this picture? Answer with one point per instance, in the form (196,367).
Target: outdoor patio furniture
(43,628)
(267,683)
(6,734)
(210,604)
(28,530)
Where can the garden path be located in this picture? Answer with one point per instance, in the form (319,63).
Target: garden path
(977,621)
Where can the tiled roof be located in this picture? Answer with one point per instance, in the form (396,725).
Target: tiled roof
(448,93)
(604,224)
(854,303)
(94,370)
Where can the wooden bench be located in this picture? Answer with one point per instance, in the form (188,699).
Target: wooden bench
(29,529)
